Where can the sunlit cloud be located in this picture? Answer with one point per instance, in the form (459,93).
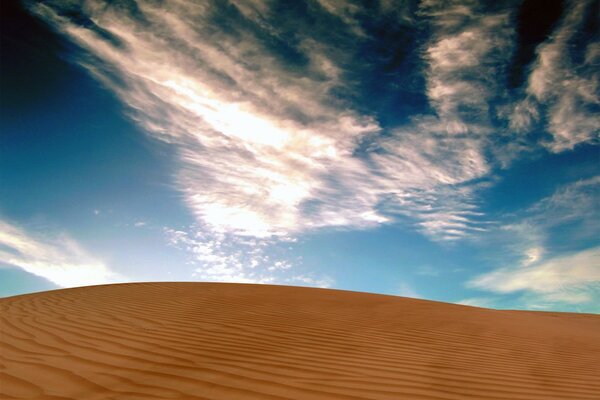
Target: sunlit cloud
(226,257)
(443,154)
(465,60)
(568,88)
(543,275)
(309,280)
(265,147)
(533,255)
(407,290)
(485,302)
(571,278)
(577,201)
(269,143)
(60,259)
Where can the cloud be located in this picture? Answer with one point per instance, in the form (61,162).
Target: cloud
(572,278)
(566,86)
(59,259)
(309,280)
(445,153)
(522,241)
(407,290)
(540,249)
(576,201)
(524,115)
(428,177)
(566,218)
(258,138)
(485,302)
(465,60)
(266,144)
(533,255)
(226,257)
(261,109)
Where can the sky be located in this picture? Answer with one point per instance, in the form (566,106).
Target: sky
(444,150)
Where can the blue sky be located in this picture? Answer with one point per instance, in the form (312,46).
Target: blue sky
(442,150)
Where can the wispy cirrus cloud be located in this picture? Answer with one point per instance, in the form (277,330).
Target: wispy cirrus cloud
(406,290)
(258,101)
(484,302)
(225,257)
(466,58)
(563,88)
(443,154)
(60,259)
(266,144)
(571,278)
(546,274)
(576,201)
(258,132)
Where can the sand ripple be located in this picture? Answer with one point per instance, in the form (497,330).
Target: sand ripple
(230,341)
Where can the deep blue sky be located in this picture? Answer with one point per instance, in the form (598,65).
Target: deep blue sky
(444,151)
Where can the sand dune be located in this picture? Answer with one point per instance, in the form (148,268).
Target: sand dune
(231,341)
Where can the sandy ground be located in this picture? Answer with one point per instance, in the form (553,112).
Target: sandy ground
(231,341)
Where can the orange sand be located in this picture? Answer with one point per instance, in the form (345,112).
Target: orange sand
(232,341)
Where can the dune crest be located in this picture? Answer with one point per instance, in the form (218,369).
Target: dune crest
(234,341)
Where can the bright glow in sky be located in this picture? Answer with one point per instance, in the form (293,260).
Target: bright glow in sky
(444,150)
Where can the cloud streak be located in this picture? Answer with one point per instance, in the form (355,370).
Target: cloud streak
(257,136)
(257,100)
(572,278)
(566,87)
(551,274)
(59,259)
(222,257)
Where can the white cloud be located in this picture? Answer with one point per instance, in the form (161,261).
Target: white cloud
(572,202)
(572,278)
(251,156)
(310,280)
(465,61)
(265,148)
(545,274)
(533,255)
(569,89)
(431,163)
(59,259)
(407,290)
(465,58)
(524,115)
(524,236)
(485,302)
(215,259)
(521,242)
(226,257)
(267,145)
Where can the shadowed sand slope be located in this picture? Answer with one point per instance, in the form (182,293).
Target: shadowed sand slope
(232,341)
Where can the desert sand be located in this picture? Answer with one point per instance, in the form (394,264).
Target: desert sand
(234,341)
